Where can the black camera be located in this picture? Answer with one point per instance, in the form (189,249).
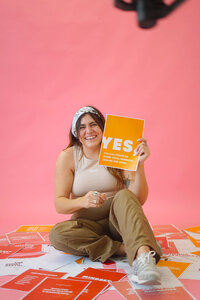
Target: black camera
(148,11)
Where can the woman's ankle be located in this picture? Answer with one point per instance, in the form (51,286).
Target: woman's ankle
(143,249)
(121,251)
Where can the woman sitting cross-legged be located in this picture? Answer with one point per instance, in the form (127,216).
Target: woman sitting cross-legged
(105,203)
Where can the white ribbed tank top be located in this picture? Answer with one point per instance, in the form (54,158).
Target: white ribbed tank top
(90,176)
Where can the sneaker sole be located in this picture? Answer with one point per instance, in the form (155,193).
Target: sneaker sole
(145,282)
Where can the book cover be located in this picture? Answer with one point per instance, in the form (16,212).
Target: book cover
(120,138)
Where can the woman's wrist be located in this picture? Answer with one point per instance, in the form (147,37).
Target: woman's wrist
(140,166)
(80,202)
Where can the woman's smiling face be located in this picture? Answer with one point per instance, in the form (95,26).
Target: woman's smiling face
(89,132)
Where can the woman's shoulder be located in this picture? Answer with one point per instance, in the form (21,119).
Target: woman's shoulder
(67,151)
(65,158)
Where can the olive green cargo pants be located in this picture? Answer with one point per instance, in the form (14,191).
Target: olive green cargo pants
(100,239)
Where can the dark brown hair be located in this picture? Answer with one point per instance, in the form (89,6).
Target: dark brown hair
(100,120)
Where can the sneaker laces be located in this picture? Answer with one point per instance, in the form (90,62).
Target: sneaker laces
(145,259)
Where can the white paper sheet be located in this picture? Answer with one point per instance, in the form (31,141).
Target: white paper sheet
(193,259)
(49,249)
(193,234)
(185,246)
(87,263)
(12,267)
(192,272)
(168,280)
(72,269)
(51,261)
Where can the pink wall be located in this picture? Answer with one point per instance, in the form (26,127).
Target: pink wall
(56,56)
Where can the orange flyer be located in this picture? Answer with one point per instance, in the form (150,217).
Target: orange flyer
(125,289)
(25,237)
(120,138)
(7,251)
(163,242)
(195,241)
(34,228)
(172,250)
(100,274)
(93,289)
(164,229)
(194,229)
(177,268)
(55,288)
(29,279)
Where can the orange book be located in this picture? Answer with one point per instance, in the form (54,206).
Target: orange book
(120,138)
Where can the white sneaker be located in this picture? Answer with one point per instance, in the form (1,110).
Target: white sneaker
(144,269)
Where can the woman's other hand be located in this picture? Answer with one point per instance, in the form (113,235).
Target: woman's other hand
(142,150)
(93,199)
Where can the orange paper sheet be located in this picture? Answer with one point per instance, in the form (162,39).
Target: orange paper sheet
(25,237)
(100,274)
(164,229)
(195,241)
(196,253)
(177,268)
(7,251)
(125,289)
(172,250)
(29,279)
(51,288)
(34,228)
(195,229)
(93,289)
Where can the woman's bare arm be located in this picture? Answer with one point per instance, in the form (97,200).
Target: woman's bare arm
(136,181)
(64,175)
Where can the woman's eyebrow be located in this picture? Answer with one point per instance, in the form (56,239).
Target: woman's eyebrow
(83,124)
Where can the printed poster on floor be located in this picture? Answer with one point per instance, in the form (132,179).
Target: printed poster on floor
(52,288)
(29,279)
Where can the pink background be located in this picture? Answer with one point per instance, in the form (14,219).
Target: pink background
(56,56)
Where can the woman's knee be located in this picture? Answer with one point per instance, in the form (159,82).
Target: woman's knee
(59,232)
(53,234)
(124,195)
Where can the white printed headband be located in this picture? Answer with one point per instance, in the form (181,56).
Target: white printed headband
(78,114)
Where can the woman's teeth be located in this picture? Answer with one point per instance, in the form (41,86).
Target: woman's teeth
(90,138)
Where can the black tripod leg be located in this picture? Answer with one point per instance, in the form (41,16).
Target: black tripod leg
(146,14)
